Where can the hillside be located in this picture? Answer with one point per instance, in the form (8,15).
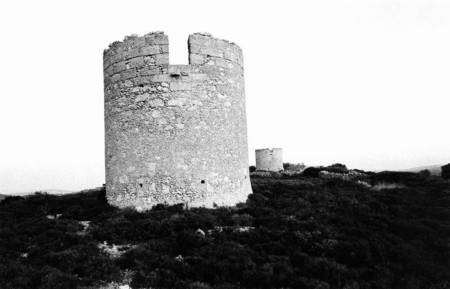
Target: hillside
(434,169)
(293,232)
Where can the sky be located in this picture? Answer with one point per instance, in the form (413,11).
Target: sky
(365,83)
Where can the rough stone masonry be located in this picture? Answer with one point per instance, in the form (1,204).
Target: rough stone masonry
(175,133)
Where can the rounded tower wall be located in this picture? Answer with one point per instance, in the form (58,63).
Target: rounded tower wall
(175,133)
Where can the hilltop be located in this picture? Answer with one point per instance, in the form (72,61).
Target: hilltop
(379,230)
(434,169)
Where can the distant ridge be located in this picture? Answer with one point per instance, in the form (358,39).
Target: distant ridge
(434,169)
(56,191)
(49,191)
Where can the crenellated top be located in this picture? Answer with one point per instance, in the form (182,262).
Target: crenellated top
(155,44)
(149,54)
(203,47)
(269,149)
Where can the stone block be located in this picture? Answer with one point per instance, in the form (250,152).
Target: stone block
(180,86)
(162,59)
(151,50)
(149,70)
(164,48)
(179,70)
(136,62)
(160,78)
(196,59)
(119,66)
(135,52)
(127,74)
(109,70)
(176,102)
(156,38)
(198,76)
(156,103)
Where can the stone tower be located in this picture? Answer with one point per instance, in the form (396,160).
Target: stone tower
(175,133)
(269,159)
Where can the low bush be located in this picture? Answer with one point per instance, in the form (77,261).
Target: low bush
(301,232)
(445,171)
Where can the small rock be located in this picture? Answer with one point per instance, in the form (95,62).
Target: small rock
(162,121)
(157,103)
(85,225)
(176,102)
(156,113)
(53,217)
(364,184)
(142,97)
(244,229)
(200,232)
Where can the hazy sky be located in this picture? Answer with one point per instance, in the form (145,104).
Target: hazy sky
(365,83)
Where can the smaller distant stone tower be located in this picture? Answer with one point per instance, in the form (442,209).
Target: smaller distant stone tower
(269,159)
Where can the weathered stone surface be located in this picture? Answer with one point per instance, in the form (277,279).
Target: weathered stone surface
(180,85)
(175,133)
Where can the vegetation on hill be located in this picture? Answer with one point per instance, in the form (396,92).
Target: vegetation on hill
(293,232)
(433,169)
(446,171)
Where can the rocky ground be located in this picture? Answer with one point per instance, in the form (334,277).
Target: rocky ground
(309,230)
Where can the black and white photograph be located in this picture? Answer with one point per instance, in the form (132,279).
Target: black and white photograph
(225,144)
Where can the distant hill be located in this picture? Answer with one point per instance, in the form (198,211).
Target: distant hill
(2,197)
(46,191)
(434,169)
(56,191)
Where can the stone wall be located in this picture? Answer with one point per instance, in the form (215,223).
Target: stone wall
(175,133)
(350,176)
(269,159)
(292,167)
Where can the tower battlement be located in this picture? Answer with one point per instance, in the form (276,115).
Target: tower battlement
(175,133)
(143,56)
